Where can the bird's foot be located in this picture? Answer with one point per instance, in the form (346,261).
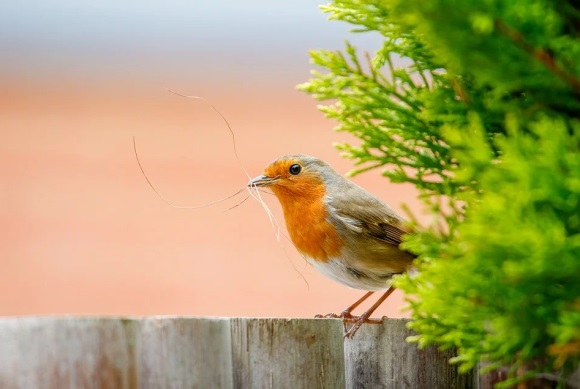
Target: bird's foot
(345,315)
(327,316)
(358,321)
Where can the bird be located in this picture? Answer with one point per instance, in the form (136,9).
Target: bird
(342,230)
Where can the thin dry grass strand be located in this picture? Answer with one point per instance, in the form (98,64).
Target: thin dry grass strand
(225,121)
(300,272)
(238,204)
(273,221)
(165,200)
(304,262)
(255,193)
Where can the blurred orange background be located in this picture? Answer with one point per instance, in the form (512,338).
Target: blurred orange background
(80,230)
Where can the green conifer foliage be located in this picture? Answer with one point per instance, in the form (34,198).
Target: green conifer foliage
(485,122)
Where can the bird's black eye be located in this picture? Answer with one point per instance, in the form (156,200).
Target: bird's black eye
(295,169)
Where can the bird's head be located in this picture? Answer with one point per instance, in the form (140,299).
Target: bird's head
(295,176)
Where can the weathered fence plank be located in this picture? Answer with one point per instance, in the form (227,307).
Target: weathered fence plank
(172,352)
(288,353)
(379,357)
(66,353)
(184,353)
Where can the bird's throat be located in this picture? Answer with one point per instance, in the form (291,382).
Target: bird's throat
(306,217)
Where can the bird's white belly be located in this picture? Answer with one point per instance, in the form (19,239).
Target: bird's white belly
(337,270)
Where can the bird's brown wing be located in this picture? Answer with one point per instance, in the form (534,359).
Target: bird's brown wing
(377,225)
(387,231)
(364,213)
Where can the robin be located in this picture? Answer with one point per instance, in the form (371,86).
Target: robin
(343,231)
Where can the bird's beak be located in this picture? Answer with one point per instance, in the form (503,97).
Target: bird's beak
(261,181)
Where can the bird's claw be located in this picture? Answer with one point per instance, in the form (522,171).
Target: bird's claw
(345,315)
(357,321)
(327,316)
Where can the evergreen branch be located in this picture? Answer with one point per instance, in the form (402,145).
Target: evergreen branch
(498,174)
(539,54)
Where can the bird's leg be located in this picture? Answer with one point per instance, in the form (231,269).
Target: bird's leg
(346,313)
(364,318)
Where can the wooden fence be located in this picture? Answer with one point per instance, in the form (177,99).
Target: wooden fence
(175,352)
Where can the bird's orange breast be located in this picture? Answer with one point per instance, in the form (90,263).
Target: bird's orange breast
(306,216)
